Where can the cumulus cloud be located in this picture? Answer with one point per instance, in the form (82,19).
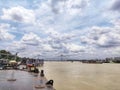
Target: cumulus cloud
(17,46)
(60,43)
(58,35)
(4,34)
(47,47)
(31,39)
(69,6)
(76,27)
(58,40)
(19,14)
(116,5)
(30,42)
(74,47)
(103,37)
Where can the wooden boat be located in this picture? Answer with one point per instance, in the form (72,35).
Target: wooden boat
(12,79)
(39,86)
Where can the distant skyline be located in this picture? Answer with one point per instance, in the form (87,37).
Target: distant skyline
(76,29)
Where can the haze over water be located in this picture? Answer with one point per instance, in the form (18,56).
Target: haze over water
(78,76)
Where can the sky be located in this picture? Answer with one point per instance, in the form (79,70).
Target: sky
(49,29)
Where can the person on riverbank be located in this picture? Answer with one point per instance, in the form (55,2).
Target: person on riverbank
(42,73)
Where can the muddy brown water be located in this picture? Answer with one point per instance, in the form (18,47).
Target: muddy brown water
(78,76)
(67,76)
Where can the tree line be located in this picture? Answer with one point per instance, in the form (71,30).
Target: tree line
(4,54)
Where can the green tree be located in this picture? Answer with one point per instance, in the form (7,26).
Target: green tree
(7,55)
(4,54)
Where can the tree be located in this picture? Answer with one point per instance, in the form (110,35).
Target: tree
(7,55)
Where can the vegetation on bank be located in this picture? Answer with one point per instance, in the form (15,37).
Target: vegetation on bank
(7,55)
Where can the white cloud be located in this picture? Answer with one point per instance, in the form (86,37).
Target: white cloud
(31,39)
(76,6)
(104,41)
(4,34)
(47,47)
(74,47)
(19,14)
(63,27)
(4,26)
(116,5)
(69,6)
(17,46)
(103,37)
(56,35)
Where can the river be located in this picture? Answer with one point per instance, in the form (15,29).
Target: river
(68,76)
(78,76)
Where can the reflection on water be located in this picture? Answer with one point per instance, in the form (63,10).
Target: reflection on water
(78,76)
(68,76)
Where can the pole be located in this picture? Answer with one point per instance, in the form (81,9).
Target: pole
(16,55)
